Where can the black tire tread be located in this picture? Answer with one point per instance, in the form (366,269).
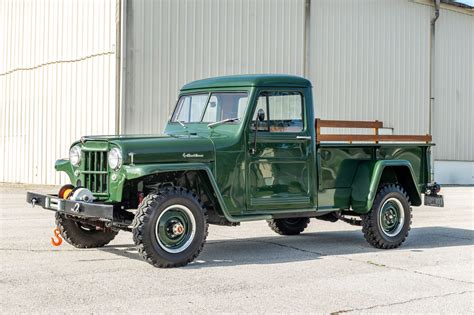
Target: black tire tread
(146,208)
(369,221)
(73,234)
(280,227)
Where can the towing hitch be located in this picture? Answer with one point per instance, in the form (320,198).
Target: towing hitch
(431,195)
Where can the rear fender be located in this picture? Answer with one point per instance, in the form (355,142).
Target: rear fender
(371,174)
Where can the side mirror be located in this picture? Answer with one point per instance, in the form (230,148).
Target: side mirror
(261,115)
(260,118)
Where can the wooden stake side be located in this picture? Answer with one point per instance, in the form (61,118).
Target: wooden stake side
(376,137)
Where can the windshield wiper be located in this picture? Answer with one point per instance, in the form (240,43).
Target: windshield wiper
(181,123)
(220,122)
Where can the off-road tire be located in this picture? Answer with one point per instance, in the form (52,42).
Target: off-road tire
(371,224)
(290,226)
(146,218)
(81,235)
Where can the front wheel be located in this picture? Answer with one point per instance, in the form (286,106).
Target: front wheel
(81,234)
(387,224)
(170,227)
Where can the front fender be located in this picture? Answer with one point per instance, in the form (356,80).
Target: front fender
(137,171)
(130,172)
(63,165)
(370,174)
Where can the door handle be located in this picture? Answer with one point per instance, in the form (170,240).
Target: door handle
(303,137)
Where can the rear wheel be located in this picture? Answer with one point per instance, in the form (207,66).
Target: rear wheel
(170,227)
(290,226)
(387,224)
(83,235)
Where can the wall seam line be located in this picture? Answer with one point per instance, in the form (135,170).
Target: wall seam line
(58,62)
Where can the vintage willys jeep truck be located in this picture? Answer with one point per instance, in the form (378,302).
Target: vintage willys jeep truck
(239,148)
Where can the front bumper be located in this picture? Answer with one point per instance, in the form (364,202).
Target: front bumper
(80,209)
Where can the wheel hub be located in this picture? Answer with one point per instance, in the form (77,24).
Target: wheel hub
(391,218)
(175,228)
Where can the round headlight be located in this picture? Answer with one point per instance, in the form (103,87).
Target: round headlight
(75,155)
(115,158)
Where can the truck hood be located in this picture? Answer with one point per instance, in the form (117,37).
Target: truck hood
(152,149)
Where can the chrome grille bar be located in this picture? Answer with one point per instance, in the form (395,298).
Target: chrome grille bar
(96,172)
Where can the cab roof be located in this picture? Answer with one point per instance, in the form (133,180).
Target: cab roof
(250,80)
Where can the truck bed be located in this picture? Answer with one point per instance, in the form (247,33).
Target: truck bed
(340,155)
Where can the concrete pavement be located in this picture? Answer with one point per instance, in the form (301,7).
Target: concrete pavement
(330,268)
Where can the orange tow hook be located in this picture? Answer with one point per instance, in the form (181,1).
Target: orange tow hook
(57,234)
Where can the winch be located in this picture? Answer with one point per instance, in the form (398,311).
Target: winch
(76,193)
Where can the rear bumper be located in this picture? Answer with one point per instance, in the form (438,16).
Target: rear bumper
(80,209)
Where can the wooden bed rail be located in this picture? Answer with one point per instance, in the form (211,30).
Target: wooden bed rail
(375,125)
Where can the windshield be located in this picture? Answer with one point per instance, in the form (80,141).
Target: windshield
(202,108)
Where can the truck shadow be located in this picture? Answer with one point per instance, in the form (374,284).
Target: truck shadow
(307,246)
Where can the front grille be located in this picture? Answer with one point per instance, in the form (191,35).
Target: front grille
(95,172)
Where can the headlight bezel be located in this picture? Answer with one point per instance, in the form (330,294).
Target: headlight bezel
(75,155)
(115,158)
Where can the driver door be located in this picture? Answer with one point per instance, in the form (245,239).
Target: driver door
(278,162)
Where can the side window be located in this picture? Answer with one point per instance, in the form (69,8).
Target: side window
(261,104)
(283,112)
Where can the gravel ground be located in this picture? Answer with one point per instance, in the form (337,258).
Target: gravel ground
(248,269)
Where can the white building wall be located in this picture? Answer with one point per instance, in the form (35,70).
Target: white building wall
(454,172)
(369,61)
(172,42)
(454,87)
(454,98)
(57,80)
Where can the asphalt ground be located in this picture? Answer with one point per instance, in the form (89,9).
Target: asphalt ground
(330,268)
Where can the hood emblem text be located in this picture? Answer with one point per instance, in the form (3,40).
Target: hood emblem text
(192,155)
(131,155)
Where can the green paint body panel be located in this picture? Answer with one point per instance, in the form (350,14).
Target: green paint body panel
(63,165)
(259,80)
(350,174)
(285,176)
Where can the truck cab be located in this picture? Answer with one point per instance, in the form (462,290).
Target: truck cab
(262,163)
(239,148)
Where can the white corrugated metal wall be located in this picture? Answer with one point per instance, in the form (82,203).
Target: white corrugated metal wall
(169,43)
(454,87)
(369,60)
(57,82)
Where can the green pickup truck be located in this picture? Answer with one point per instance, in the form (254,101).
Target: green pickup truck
(236,149)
